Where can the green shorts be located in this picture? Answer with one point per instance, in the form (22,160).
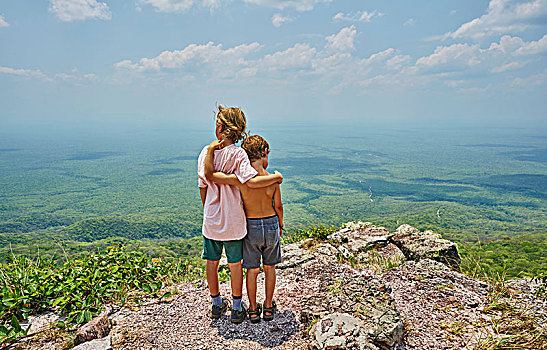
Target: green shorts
(212,250)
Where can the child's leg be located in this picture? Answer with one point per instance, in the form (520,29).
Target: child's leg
(211,252)
(269,285)
(212,277)
(234,255)
(236,275)
(252,275)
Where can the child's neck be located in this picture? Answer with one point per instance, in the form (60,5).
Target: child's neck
(258,165)
(227,142)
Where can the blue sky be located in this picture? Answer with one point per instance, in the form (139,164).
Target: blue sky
(280,60)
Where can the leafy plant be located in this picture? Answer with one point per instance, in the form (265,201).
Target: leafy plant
(319,232)
(80,288)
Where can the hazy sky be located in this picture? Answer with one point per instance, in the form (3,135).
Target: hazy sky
(307,60)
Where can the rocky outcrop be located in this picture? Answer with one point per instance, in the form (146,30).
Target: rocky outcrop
(361,295)
(361,288)
(417,245)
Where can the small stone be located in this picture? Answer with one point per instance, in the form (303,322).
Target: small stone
(99,327)
(95,344)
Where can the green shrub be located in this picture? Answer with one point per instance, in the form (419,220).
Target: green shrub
(319,233)
(80,288)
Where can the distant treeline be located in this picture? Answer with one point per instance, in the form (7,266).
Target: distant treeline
(163,227)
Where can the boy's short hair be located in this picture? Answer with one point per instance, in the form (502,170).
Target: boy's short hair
(233,122)
(255,146)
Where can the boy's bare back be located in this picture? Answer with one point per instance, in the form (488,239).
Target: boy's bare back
(258,202)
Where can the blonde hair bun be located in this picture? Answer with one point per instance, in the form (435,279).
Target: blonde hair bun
(233,122)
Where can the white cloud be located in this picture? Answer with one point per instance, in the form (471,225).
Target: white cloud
(180,5)
(504,17)
(449,58)
(518,47)
(409,22)
(462,67)
(3,22)
(28,73)
(533,47)
(298,5)
(343,41)
(300,56)
(74,10)
(185,5)
(278,19)
(530,82)
(208,59)
(77,79)
(509,53)
(507,66)
(74,77)
(359,16)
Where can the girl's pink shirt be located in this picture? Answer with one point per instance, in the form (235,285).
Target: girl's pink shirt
(223,214)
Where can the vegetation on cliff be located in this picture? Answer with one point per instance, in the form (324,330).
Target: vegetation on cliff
(80,288)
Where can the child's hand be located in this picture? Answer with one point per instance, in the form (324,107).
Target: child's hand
(279,175)
(216,144)
(280,232)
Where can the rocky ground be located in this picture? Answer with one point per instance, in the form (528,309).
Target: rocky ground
(364,289)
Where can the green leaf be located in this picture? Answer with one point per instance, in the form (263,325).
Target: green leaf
(87,315)
(15,324)
(57,301)
(166,295)
(8,301)
(3,331)
(81,317)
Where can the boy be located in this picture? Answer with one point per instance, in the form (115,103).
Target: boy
(264,211)
(224,223)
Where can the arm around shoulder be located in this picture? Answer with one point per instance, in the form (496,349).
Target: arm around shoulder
(265,180)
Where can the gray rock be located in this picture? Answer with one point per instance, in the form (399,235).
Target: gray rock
(340,331)
(95,344)
(361,236)
(293,256)
(427,263)
(40,323)
(99,327)
(417,245)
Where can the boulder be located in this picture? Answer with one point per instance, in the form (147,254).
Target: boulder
(367,299)
(293,256)
(361,236)
(340,331)
(99,327)
(417,245)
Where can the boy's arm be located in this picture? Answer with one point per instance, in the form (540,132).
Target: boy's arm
(217,177)
(278,207)
(265,180)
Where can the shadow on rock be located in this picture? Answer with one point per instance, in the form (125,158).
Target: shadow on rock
(268,334)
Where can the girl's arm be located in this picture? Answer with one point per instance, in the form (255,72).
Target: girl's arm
(278,207)
(265,180)
(203,194)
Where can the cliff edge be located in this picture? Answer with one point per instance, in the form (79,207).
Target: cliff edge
(361,288)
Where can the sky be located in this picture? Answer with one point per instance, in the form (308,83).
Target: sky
(282,61)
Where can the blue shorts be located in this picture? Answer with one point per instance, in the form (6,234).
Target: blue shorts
(262,242)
